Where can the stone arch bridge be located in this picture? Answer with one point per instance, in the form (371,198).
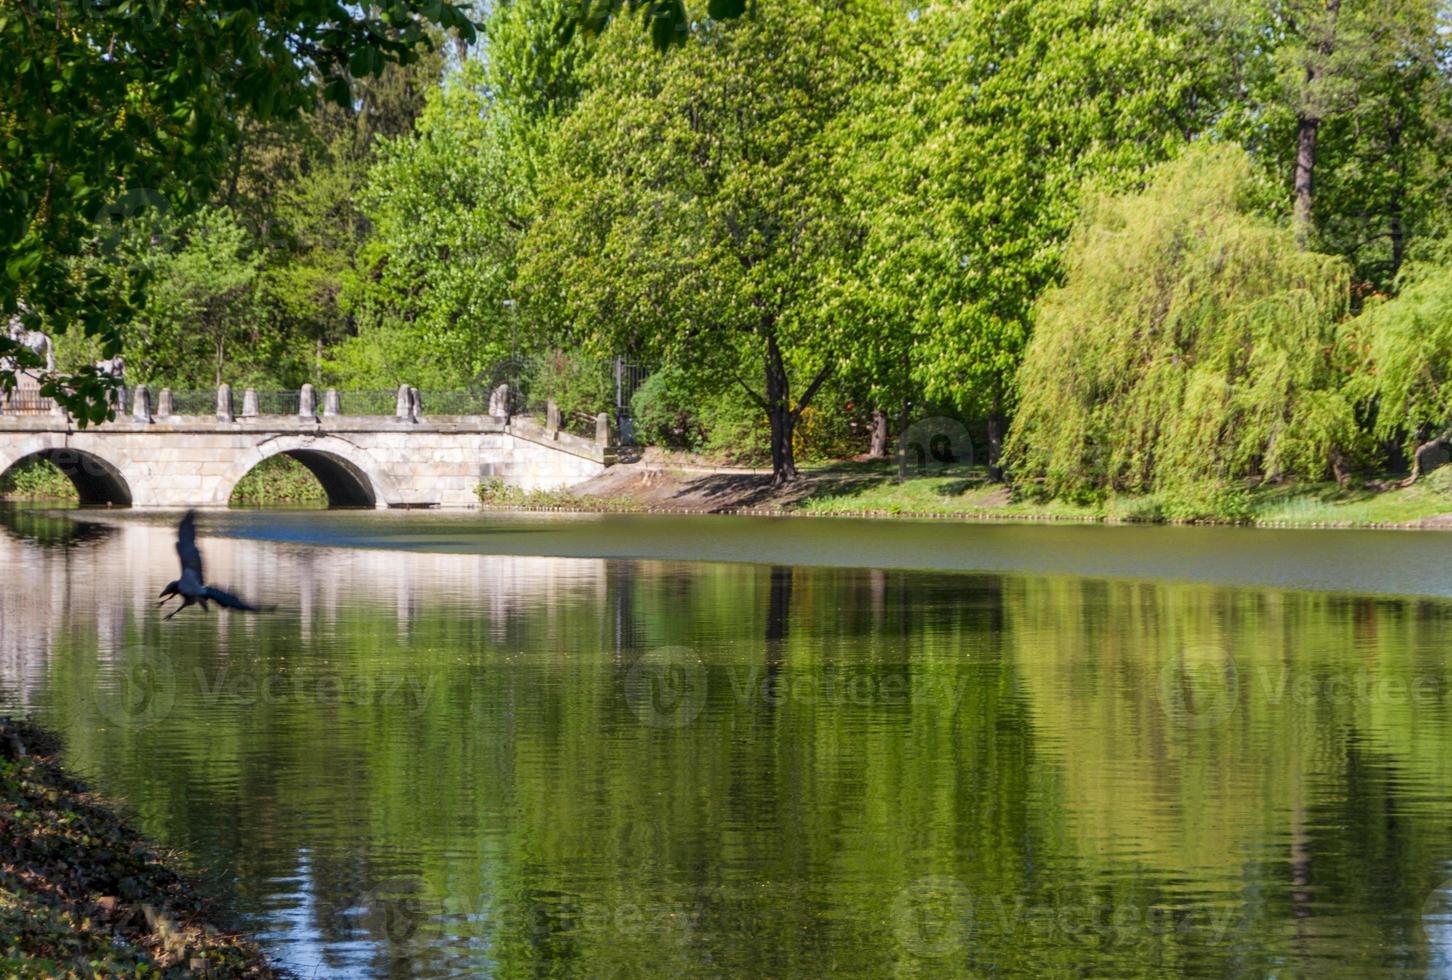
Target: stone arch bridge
(408,459)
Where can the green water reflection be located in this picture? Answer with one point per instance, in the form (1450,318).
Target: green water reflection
(455,764)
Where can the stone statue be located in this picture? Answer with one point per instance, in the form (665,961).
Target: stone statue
(37,342)
(115,368)
(499,402)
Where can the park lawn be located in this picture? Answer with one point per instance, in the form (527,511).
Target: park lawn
(875,489)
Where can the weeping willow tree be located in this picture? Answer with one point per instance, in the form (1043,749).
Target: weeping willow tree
(1403,349)
(1191,345)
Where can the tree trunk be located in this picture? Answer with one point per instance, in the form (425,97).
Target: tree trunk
(903,412)
(995,444)
(1306,130)
(1421,456)
(781,413)
(1397,218)
(1340,468)
(1308,125)
(878,449)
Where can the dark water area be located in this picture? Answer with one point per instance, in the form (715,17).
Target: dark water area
(653,746)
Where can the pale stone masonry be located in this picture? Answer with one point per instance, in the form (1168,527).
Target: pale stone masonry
(196,461)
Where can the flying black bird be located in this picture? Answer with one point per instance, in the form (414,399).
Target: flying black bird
(192,587)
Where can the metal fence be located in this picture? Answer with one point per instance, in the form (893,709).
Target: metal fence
(192,401)
(272,403)
(581,387)
(454,402)
(366,402)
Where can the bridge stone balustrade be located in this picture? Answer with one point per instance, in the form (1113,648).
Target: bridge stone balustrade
(360,460)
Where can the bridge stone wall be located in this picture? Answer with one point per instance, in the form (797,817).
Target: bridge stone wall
(360,460)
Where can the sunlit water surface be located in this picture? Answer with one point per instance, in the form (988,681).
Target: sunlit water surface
(472,744)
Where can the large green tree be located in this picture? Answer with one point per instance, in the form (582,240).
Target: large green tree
(447,207)
(687,204)
(109,107)
(966,165)
(1189,346)
(1349,106)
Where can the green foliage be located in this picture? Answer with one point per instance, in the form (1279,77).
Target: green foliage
(686,201)
(446,206)
(679,409)
(580,386)
(37,478)
(494,492)
(667,22)
(667,412)
(278,480)
(1373,78)
(1402,352)
(204,313)
(966,162)
(1190,345)
(298,190)
(110,110)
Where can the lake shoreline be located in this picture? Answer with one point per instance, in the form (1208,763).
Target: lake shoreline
(963,517)
(82,892)
(867,489)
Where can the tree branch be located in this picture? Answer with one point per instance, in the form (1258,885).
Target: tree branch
(811,391)
(751,391)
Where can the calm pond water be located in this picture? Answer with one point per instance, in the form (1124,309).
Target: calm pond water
(475,744)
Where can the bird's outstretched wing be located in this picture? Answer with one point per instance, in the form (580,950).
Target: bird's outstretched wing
(227,599)
(186,546)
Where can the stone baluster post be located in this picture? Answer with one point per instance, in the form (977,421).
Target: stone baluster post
(552,417)
(331,404)
(602,430)
(499,400)
(249,403)
(403,408)
(141,404)
(224,403)
(307,402)
(165,404)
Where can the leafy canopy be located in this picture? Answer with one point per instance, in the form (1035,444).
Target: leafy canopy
(113,107)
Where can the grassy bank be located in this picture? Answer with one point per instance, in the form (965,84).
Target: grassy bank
(1285,505)
(82,895)
(874,489)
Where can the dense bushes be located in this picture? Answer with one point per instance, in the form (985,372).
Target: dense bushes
(667,411)
(279,480)
(36,478)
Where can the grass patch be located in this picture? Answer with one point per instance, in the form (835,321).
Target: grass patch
(82,895)
(278,480)
(37,478)
(494,492)
(875,488)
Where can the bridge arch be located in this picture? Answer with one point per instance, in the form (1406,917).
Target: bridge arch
(349,475)
(97,480)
